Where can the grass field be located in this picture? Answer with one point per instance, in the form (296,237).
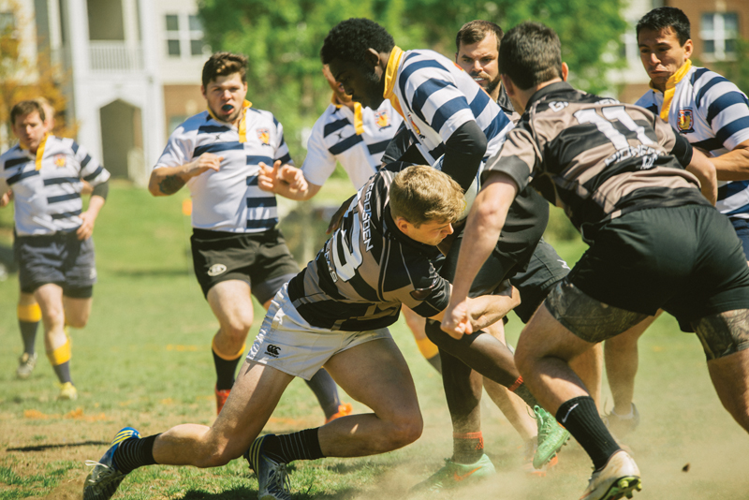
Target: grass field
(144,360)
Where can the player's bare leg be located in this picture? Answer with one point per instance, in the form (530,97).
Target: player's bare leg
(376,375)
(56,341)
(589,367)
(77,311)
(622,360)
(29,316)
(253,398)
(729,373)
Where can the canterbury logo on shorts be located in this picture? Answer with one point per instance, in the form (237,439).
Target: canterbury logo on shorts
(216,269)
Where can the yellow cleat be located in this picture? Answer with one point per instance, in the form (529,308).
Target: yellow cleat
(67,392)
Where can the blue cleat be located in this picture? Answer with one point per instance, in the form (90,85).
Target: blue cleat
(104,479)
(272,477)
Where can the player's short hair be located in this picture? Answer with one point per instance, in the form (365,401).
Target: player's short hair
(350,39)
(224,64)
(24,108)
(530,55)
(666,17)
(475,31)
(422,194)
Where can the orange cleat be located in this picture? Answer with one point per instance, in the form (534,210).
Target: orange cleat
(343,410)
(221,397)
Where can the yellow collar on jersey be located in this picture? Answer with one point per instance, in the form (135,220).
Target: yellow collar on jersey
(671,83)
(242,125)
(39,151)
(358,120)
(391,72)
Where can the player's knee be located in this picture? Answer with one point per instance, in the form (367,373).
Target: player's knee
(405,431)
(216,456)
(77,320)
(237,327)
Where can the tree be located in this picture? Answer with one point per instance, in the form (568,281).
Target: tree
(737,70)
(283,37)
(27,75)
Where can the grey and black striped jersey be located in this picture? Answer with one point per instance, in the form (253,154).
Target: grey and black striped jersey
(367,269)
(47,186)
(596,157)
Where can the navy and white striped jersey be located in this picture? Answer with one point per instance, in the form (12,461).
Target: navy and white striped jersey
(713,114)
(355,139)
(368,268)
(436,97)
(47,186)
(230,200)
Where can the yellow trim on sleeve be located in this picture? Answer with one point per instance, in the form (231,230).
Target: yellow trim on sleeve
(224,356)
(60,355)
(391,73)
(31,313)
(668,95)
(427,348)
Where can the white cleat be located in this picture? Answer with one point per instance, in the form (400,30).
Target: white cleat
(620,478)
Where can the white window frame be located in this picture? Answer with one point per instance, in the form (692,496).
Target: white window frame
(718,35)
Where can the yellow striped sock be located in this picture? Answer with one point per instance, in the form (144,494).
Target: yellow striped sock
(31,313)
(427,348)
(60,355)
(224,356)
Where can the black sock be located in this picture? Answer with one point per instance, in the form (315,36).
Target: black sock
(580,417)
(28,332)
(133,453)
(225,369)
(63,372)
(326,392)
(302,445)
(525,395)
(468,448)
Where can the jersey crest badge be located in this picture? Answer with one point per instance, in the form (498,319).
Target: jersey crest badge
(60,160)
(263,134)
(382,119)
(686,121)
(216,269)
(415,127)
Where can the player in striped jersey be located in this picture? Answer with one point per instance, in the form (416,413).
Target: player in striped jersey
(619,173)
(454,125)
(334,313)
(236,246)
(53,234)
(713,115)
(356,136)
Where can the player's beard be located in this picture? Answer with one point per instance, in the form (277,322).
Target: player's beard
(492,85)
(229,119)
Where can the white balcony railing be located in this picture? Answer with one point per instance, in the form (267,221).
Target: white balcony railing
(115,57)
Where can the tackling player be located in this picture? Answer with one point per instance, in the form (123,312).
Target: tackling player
(334,313)
(625,187)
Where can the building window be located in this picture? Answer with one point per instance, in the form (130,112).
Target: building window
(719,31)
(7,22)
(184,36)
(172,35)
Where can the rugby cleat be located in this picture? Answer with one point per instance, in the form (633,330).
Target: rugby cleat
(26,365)
(618,479)
(621,426)
(453,474)
(529,453)
(67,392)
(221,397)
(272,477)
(104,479)
(344,409)
(551,437)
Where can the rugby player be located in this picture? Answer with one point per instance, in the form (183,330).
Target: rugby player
(53,243)
(713,115)
(454,125)
(236,247)
(624,186)
(355,136)
(334,313)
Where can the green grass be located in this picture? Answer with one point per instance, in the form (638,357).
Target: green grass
(144,360)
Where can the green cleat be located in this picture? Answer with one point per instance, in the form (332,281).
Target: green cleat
(551,437)
(454,474)
(620,478)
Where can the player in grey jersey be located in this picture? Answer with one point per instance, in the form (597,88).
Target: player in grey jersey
(625,187)
(335,314)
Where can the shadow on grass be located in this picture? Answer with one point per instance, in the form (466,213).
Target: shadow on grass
(44,447)
(140,273)
(242,493)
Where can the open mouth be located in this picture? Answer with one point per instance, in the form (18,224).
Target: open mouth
(227,107)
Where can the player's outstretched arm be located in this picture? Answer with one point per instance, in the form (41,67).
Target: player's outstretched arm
(480,312)
(705,171)
(484,224)
(7,195)
(166,181)
(287,181)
